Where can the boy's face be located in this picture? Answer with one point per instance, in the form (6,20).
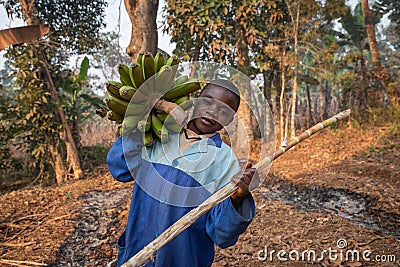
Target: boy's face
(213,109)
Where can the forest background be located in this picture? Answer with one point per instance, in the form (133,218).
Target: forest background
(310,59)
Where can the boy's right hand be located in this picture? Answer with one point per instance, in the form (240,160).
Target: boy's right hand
(243,183)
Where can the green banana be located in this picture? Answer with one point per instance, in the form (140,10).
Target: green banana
(139,58)
(158,61)
(126,92)
(129,123)
(180,80)
(121,107)
(144,125)
(123,71)
(148,65)
(136,109)
(171,125)
(136,74)
(164,135)
(158,128)
(115,104)
(148,138)
(181,100)
(140,97)
(172,61)
(112,116)
(182,90)
(164,79)
(113,88)
(162,116)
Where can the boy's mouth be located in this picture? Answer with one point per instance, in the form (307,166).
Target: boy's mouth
(207,122)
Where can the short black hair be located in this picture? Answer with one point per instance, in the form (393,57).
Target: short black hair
(226,85)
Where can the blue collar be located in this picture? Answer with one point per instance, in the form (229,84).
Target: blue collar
(215,140)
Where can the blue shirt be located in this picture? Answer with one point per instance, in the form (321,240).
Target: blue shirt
(168,184)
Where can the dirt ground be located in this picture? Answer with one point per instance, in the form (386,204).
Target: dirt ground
(334,197)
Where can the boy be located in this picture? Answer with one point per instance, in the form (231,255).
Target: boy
(172,178)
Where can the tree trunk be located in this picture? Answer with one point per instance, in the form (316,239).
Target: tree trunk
(267,87)
(143,15)
(309,109)
(379,70)
(281,106)
(328,98)
(294,88)
(370,28)
(31,17)
(195,59)
(321,100)
(57,164)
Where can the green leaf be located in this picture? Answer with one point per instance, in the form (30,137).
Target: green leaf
(84,69)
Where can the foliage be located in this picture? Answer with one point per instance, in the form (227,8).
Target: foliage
(79,101)
(193,24)
(30,120)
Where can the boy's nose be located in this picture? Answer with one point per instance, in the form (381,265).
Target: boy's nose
(211,112)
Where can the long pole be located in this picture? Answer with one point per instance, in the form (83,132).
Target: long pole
(148,251)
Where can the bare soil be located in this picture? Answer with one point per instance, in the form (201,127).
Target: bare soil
(339,187)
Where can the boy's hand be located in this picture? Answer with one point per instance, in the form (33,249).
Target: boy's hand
(243,184)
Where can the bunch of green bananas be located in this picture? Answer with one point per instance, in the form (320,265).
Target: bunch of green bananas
(132,114)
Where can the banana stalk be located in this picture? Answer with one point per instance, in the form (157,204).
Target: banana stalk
(179,115)
(148,251)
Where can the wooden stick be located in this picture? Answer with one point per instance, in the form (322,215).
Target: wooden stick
(177,113)
(148,251)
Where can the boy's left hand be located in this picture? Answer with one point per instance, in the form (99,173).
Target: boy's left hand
(243,184)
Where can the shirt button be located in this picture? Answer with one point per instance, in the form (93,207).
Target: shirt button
(175,163)
(162,200)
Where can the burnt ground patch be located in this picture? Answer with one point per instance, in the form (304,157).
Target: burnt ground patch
(352,206)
